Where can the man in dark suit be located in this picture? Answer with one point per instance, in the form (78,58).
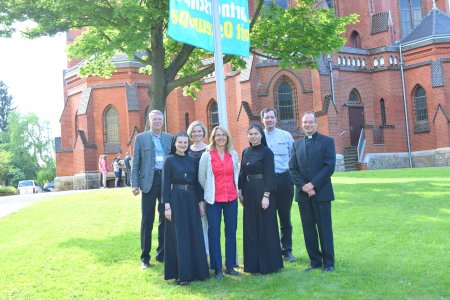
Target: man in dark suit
(150,150)
(311,165)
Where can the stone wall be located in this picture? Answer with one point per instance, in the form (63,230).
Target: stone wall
(420,159)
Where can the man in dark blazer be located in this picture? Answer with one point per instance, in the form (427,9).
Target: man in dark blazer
(150,150)
(311,165)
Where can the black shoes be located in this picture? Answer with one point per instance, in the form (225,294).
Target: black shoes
(310,268)
(218,274)
(328,269)
(289,257)
(160,259)
(232,272)
(182,283)
(145,266)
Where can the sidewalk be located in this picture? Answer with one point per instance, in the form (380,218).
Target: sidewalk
(11,204)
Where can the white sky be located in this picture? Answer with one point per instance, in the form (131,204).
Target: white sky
(32,70)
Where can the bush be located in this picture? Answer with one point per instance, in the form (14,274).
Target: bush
(7,189)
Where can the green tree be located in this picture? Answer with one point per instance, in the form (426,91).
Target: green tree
(295,36)
(5,107)
(8,170)
(30,142)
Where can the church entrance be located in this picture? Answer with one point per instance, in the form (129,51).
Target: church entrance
(356,119)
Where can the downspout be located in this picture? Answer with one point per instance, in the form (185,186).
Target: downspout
(330,62)
(404,106)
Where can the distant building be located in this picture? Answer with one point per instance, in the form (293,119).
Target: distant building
(102,116)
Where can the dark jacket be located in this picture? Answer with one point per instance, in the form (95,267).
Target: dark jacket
(317,169)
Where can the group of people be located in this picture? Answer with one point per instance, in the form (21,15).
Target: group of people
(197,183)
(118,166)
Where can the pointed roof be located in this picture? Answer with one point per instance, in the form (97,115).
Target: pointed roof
(436,23)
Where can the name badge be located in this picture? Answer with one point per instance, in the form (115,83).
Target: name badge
(159,158)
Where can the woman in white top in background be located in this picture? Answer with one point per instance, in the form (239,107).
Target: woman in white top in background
(197,133)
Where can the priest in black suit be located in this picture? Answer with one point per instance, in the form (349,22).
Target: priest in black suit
(311,165)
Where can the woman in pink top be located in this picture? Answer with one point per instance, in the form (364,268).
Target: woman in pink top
(103,167)
(218,175)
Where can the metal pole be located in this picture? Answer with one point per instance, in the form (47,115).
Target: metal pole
(330,61)
(218,61)
(404,106)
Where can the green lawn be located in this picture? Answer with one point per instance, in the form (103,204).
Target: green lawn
(391,230)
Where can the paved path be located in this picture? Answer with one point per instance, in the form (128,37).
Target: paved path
(10,204)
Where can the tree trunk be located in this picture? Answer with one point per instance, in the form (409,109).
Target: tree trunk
(158,85)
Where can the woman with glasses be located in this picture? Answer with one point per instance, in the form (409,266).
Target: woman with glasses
(218,175)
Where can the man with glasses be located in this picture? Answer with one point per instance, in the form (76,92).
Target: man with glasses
(280,142)
(312,163)
(150,150)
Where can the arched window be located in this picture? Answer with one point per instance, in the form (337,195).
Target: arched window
(354,96)
(213,115)
(280,3)
(355,40)
(186,120)
(375,62)
(363,63)
(395,60)
(353,61)
(410,15)
(358,62)
(420,110)
(381,61)
(391,60)
(285,99)
(383,112)
(111,126)
(339,60)
(331,4)
(344,61)
(145,117)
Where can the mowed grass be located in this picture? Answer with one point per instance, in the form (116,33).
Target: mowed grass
(391,229)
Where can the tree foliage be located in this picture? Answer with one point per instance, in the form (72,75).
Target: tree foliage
(5,107)
(28,147)
(295,36)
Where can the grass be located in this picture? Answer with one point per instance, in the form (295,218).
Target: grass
(391,230)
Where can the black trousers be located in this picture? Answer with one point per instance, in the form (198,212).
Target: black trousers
(317,227)
(148,204)
(283,198)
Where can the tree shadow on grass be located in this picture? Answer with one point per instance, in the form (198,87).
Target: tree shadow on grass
(109,250)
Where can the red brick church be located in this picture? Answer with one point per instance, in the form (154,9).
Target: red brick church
(384,97)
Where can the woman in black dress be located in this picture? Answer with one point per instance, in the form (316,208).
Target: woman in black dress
(197,133)
(262,250)
(185,256)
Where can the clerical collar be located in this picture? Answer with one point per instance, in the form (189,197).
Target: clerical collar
(309,136)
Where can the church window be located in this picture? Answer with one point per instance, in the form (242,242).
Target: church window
(420,110)
(383,112)
(280,3)
(375,62)
(381,61)
(213,115)
(355,40)
(111,126)
(286,99)
(410,15)
(354,96)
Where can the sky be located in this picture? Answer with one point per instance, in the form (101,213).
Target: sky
(33,72)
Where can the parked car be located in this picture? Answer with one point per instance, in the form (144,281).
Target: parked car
(49,186)
(29,187)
